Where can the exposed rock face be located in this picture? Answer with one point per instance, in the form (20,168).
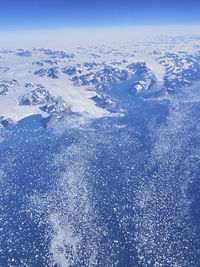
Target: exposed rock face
(49,72)
(55,53)
(104,101)
(24,53)
(182,70)
(145,77)
(37,96)
(3,89)
(56,107)
(5,86)
(69,71)
(6,122)
(98,70)
(53,67)
(102,79)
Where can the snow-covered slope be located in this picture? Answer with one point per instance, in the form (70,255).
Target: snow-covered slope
(56,83)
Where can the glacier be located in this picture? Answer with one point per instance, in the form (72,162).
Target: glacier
(99,149)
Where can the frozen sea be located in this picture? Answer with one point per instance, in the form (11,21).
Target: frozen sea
(115,191)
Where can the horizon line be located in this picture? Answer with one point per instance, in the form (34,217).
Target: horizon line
(88,28)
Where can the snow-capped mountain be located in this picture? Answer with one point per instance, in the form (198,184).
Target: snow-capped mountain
(56,83)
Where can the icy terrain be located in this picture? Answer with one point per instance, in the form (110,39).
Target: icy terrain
(100,155)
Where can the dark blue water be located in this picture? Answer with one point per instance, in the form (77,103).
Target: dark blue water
(116,191)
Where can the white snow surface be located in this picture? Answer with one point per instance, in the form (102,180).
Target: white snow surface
(126,51)
(22,70)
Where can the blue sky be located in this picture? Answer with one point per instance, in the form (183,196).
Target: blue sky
(48,14)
